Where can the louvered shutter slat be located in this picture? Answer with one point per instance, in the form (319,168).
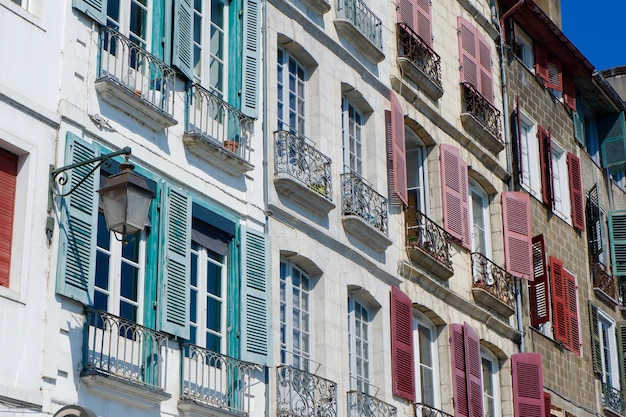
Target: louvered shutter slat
(576,191)
(398,150)
(406,14)
(541,63)
(539,292)
(555,76)
(8,184)
(595,339)
(528,394)
(402,345)
(183,37)
(468,52)
(96,9)
(473,369)
(617,240)
(545,162)
(579,128)
(454,194)
(517,235)
(594,225)
(423,20)
(484,60)
(559,302)
(459,379)
(251,58)
(572,312)
(612,135)
(547,402)
(621,351)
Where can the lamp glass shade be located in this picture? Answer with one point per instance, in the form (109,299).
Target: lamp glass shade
(125,201)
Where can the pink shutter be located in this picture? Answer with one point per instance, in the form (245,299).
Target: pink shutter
(473,368)
(484,60)
(545,162)
(547,402)
(423,19)
(459,379)
(518,252)
(539,294)
(555,75)
(569,93)
(559,302)
(467,52)
(406,13)
(541,63)
(528,394)
(572,312)
(454,193)
(8,182)
(402,345)
(398,150)
(576,191)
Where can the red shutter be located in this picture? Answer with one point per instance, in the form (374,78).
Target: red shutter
(398,150)
(468,55)
(576,192)
(402,345)
(559,302)
(572,312)
(569,93)
(8,182)
(545,160)
(459,379)
(473,367)
(484,61)
(406,12)
(423,19)
(541,63)
(528,394)
(547,402)
(555,75)
(538,292)
(518,252)
(454,194)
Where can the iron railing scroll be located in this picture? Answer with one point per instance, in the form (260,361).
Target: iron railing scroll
(357,12)
(302,394)
(424,233)
(411,46)
(479,107)
(493,279)
(364,405)
(360,199)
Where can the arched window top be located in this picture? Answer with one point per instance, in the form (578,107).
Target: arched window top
(298,51)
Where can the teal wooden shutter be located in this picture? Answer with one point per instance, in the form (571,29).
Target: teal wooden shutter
(183,37)
(175,247)
(579,128)
(78,228)
(617,239)
(250,59)
(612,132)
(596,354)
(621,351)
(255,294)
(96,9)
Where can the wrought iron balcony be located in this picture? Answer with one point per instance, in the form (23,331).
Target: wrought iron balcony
(420,63)
(130,75)
(303,394)
(481,118)
(364,405)
(613,400)
(296,157)
(424,234)
(216,380)
(124,350)
(362,27)
(495,281)
(604,281)
(360,201)
(214,126)
(423,410)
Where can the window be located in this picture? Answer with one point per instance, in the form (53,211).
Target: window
(359,345)
(491,384)
(295,314)
(426,361)
(596,227)
(524,45)
(416,172)
(529,160)
(8,185)
(481,234)
(291,93)
(561,204)
(131,18)
(209,45)
(604,346)
(352,124)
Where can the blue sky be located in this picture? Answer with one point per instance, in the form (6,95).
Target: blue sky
(597,30)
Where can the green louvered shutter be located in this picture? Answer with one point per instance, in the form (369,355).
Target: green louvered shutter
(617,239)
(183,37)
(596,353)
(594,225)
(176,245)
(250,59)
(96,9)
(256,331)
(79,219)
(621,351)
(579,128)
(612,132)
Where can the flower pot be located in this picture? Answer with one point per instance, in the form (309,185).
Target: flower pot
(231,145)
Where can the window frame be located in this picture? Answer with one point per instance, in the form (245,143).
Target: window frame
(561,204)
(203,50)
(124,22)
(524,44)
(604,319)
(10,162)
(351,116)
(417,169)
(284,61)
(531,173)
(419,320)
(302,359)
(358,381)
(486,356)
(476,191)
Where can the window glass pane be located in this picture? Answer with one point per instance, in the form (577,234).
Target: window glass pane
(102,270)
(129,279)
(103,239)
(214,279)
(213,314)
(128,311)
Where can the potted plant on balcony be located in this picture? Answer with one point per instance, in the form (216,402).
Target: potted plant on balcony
(231,145)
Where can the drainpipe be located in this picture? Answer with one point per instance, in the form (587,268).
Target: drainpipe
(507,144)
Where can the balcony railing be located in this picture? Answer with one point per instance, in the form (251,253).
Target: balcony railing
(219,122)
(411,46)
(303,394)
(363,19)
(137,70)
(483,111)
(493,279)
(123,349)
(360,199)
(216,380)
(613,399)
(423,410)
(296,157)
(603,280)
(364,405)
(424,233)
